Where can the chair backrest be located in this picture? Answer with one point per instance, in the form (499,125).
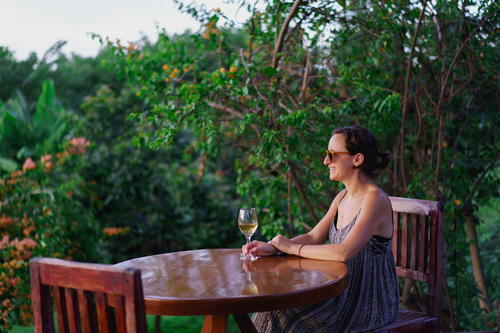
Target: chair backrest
(83,294)
(417,245)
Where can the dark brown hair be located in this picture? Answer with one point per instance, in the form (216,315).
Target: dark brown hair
(359,140)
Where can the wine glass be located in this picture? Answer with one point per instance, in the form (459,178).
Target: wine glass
(247,222)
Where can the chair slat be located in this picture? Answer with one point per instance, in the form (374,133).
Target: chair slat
(413,241)
(404,241)
(62,317)
(72,310)
(119,307)
(432,247)
(395,236)
(102,314)
(422,224)
(42,304)
(85,308)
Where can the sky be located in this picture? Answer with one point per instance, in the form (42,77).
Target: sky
(35,25)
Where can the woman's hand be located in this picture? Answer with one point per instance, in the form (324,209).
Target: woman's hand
(258,248)
(284,244)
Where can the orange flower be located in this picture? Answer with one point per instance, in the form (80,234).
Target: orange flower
(29,164)
(45,158)
(4,242)
(232,71)
(48,166)
(15,174)
(113,231)
(27,231)
(5,221)
(131,47)
(165,67)
(457,202)
(14,281)
(173,73)
(61,155)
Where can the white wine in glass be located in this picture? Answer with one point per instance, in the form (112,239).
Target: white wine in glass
(247,222)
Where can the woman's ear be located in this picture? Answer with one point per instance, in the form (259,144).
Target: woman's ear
(358,160)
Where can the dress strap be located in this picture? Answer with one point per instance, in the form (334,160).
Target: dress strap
(337,212)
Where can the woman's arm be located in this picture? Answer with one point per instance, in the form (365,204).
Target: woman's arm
(317,235)
(375,208)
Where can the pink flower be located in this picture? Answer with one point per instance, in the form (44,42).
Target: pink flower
(29,164)
(24,244)
(47,162)
(78,145)
(79,141)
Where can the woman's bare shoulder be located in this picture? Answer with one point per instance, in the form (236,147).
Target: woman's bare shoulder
(376,196)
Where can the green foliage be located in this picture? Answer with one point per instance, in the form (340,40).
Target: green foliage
(161,201)
(28,129)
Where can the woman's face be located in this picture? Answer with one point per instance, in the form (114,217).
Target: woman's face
(341,165)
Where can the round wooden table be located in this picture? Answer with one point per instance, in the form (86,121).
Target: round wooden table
(216,283)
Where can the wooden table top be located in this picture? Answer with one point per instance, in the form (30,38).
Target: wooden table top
(216,281)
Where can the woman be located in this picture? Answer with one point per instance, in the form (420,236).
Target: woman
(358,225)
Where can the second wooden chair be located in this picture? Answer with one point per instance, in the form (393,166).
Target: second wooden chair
(83,293)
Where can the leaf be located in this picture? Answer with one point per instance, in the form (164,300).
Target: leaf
(269,71)
(17,107)
(8,164)
(46,111)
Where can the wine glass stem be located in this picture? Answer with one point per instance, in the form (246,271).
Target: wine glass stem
(248,241)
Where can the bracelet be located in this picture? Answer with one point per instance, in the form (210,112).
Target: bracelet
(300,248)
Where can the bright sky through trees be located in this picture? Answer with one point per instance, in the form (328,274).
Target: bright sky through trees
(34,25)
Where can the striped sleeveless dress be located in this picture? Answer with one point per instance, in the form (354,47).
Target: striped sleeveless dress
(370,300)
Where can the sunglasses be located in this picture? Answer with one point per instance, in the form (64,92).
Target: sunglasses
(331,153)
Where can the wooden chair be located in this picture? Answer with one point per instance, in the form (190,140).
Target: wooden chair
(83,293)
(417,247)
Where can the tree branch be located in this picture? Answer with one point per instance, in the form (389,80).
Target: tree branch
(278,46)
(406,93)
(300,187)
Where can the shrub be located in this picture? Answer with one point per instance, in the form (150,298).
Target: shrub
(41,214)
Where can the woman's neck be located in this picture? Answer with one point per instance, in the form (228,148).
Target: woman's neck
(357,185)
